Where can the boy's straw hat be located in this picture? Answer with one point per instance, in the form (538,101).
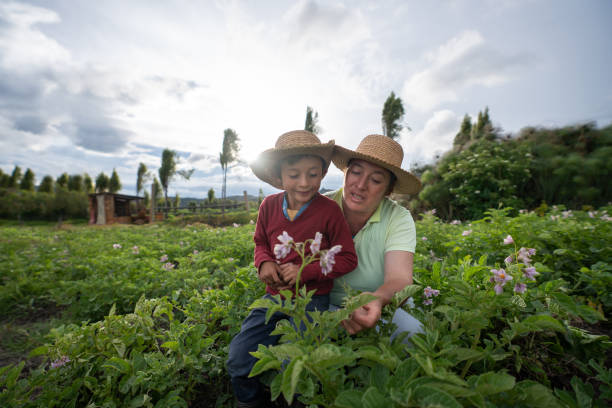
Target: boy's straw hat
(384,152)
(291,143)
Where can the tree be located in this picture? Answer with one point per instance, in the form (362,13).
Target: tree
(4,179)
(464,132)
(228,155)
(102,182)
(46,185)
(141,177)
(87,184)
(392,114)
(312,119)
(211,195)
(156,195)
(114,184)
(75,182)
(167,171)
(177,201)
(15,178)
(27,182)
(62,182)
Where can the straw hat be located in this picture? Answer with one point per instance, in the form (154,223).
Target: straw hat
(384,152)
(291,143)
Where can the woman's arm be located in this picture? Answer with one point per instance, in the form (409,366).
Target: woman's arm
(398,275)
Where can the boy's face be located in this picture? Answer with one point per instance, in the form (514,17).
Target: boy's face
(301,180)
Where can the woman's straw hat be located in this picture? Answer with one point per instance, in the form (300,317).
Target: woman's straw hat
(296,142)
(384,152)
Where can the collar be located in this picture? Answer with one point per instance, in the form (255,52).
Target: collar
(285,207)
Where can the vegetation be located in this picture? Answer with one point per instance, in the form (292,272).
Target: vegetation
(566,166)
(228,155)
(392,114)
(312,121)
(143,316)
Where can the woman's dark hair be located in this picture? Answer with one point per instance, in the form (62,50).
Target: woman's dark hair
(296,158)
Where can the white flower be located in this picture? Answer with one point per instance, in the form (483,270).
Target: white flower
(315,246)
(328,259)
(117,246)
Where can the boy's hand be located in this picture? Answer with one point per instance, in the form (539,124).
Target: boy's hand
(269,273)
(289,273)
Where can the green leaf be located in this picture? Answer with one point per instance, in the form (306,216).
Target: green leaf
(543,322)
(291,376)
(373,398)
(429,396)
(118,364)
(536,395)
(462,353)
(265,364)
(38,351)
(493,383)
(275,386)
(13,375)
(584,394)
(349,399)
(172,345)
(328,355)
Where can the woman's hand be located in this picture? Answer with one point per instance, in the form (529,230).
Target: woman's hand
(365,317)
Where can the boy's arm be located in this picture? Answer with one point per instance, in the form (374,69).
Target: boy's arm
(263,251)
(338,233)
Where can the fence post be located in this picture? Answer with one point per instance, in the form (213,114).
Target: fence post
(246,201)
(152,212)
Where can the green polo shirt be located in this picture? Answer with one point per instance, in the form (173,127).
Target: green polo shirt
(390,228)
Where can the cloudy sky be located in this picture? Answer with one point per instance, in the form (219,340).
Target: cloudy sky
(95,86)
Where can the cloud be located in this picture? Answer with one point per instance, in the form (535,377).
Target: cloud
(464,61)
(436,137)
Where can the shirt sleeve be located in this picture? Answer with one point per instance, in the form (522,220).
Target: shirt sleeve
(263,251)
(338,233)
(401,231)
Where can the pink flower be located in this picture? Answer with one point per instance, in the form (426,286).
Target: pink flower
(508,240)
(530,273)
(520,288)
(235,225)
(315,246)
(251,222)
(135,250)
(424,238)
(500,277)
(117,246)
(328,260)
(525,254)
(195,252)
(429,292)
(455,222)
(163,258)
(466,233)
(427,301)
(282,250)
(168,265)
(509,259)
(60,362)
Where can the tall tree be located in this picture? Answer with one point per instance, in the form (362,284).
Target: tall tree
(312,121)
(87,184)
(75,182)
(177,201)
(464,131)
(157,190)
(141,177)
(167,170)
(62,181)
(15,178)
(27,182)
(114,184)
(4,179)
(102,182)
(392,114)
(46,185)
(228,155)
(211,195)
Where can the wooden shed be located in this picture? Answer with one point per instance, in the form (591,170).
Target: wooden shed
(109,208)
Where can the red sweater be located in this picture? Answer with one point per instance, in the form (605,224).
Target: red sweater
(322,215)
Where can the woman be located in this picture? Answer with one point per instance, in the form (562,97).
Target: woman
(383,231)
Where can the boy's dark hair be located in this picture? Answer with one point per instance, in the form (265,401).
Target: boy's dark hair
(296,158)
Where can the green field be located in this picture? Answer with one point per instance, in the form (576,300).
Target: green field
(142,316)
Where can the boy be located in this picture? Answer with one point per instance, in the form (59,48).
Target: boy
(296,165)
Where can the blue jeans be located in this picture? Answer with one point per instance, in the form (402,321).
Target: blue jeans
(256,331)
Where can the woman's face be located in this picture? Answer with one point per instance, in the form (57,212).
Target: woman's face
(365,185)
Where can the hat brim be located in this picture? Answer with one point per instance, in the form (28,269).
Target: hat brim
(265,166)
(406,182)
